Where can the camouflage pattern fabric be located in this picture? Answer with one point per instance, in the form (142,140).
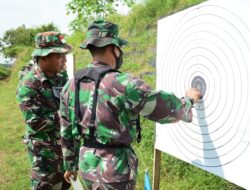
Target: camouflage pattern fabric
(121,98)
(39,108)
(128,185)
(47,166)
(25,69)
(50,42)
(102,33)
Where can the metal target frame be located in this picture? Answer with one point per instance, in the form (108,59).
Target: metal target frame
(208,46)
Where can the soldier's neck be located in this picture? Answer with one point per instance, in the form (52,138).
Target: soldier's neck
(49,74)
(104,59)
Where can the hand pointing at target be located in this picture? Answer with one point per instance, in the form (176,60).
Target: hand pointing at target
(194,94)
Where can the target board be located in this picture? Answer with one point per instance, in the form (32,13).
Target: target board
(208,47)
(70,65)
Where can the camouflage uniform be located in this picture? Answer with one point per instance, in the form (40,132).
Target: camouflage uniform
(39,105)
(25,69)
(121,98)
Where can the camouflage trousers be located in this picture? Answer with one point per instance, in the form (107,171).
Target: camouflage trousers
(47,165)
(127,185)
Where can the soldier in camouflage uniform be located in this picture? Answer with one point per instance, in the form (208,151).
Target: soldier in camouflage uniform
(25,69)
(108,161)
(39,99)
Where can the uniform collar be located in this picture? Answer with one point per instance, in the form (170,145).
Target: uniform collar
(41,75)
(100,64)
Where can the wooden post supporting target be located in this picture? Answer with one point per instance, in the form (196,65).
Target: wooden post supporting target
(156,169)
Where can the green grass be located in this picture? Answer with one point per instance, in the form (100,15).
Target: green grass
(139,28)
(4,72)
(14,163)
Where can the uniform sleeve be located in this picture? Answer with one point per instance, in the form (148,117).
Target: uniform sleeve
(70,136)
(30,104)
(159,106)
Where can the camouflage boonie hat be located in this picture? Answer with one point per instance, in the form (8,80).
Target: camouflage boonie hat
(50,42)
(101,33)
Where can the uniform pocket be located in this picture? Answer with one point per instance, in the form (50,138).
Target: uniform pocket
(89,161)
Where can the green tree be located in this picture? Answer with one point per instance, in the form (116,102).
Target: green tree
(86,10)
(15,40)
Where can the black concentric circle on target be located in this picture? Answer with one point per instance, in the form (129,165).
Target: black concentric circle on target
(208,47)
(199,83)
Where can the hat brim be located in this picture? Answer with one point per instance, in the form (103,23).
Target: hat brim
(101,42)
(46,51)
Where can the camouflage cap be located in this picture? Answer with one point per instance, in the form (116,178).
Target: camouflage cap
(101,33)
(50,42)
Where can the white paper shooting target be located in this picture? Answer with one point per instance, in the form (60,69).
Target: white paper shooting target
(70,65)
(208,46)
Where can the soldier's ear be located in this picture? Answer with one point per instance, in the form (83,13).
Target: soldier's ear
(117,51)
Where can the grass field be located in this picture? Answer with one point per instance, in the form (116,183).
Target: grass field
(14,165)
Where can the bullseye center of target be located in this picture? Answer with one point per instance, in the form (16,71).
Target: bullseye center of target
(199,83)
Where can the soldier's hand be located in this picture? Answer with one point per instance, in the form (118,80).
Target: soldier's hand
(67,175)
(194,94)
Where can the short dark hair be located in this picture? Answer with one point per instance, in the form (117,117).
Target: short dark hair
(36,59)
(97,50)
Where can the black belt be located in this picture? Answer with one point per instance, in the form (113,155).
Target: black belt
(94,144)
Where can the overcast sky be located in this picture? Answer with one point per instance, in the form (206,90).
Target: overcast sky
(14,13)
